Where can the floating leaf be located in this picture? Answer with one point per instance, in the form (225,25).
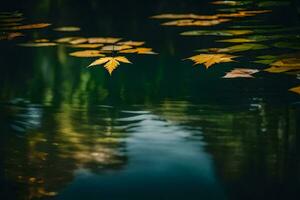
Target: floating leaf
(191,22)
(184,16)
(139,51)
(88,46)
(40,44)
(295,89)
(78,41)
(28,26)
(67,29)
(237,40)
(237,48)
(115,47)
(284,65)
(87,53)
(111,63)
(108,40)
(10,36)
(241,73)
(217,33)
(230,3)
(211,59)
(131,43)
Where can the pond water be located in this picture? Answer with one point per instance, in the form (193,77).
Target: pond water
(160,127)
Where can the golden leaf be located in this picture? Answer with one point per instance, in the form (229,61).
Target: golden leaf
(191,22)
(28,26)
(284,65)
(111,63)
(139,51)
(295,89)
(91,46)
(67,29)
(211,59)
(184,16)
(87,53)
(237,40)
(38,44)
(241,73)
(108,40)
(230,3)
(131,43)
(78,41)
(115,47)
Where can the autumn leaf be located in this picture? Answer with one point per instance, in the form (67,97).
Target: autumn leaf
(191,22)
(237,40)
(131,43)
(87,46)
(230,3)
(236,48)
(67,29)
(110,63)
(139,51)
(284,65)
(87,53)
(295,89)
(241,73)
(217,32)
(115,47)
(106,40)
(38,44)
(28,26)
(10,36)
(184,16)
(210,59)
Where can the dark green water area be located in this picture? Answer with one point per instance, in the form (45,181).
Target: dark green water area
(149,100)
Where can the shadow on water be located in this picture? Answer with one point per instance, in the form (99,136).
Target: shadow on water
(159,128)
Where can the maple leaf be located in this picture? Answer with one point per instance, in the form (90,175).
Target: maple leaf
(110,63)
(211,59)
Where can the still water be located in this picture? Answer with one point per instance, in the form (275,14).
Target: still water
(159,128)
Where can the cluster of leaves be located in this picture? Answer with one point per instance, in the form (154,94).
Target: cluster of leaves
(97,47)
(11,23)
(244,38)
(205,20)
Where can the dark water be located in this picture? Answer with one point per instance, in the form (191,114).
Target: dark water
(157,129)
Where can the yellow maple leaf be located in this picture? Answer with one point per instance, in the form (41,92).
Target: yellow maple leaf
(111,63)
(210,59)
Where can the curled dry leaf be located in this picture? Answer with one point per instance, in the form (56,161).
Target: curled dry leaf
(241,73)
(210,59)
(111,63)
(86,53)
(28,26)
(295,89)
(67,29)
